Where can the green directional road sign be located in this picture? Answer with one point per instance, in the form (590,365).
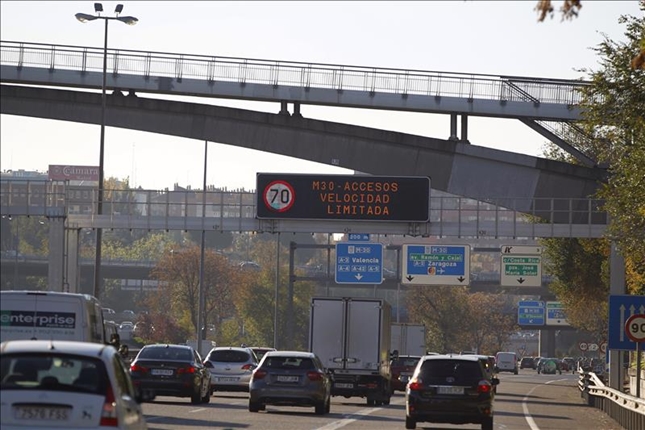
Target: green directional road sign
(521,270)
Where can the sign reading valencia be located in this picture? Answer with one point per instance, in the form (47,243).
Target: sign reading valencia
(342,197)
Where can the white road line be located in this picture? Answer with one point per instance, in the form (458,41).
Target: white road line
(197,410)
(525,408)
(350,418)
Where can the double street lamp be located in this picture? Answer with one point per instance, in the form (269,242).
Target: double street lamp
(130,20)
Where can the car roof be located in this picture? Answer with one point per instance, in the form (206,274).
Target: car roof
(451,356)
(49,346)
(166,345)
(300,354)
(232,348)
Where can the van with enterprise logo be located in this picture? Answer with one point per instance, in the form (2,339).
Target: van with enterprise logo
(47,315)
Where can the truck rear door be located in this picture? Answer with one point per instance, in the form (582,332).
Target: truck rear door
(364,321)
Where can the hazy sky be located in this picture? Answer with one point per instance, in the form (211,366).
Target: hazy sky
(501,38)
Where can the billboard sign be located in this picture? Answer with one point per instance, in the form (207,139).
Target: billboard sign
(73,173)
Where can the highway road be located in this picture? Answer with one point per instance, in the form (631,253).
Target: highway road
(526,401)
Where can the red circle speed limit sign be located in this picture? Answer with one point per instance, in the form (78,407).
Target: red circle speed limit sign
(583,346)
(635,327)
(279,196)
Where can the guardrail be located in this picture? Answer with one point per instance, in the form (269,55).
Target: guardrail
(627,410)
(291,73)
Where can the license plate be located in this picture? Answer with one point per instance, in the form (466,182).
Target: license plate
(450,390)
(283,378)
(41,413)
(227,379)
(163,372)
(341,385)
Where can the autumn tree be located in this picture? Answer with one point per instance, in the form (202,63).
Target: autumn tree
(613,116)
(442,310)
(487,325)
(178,274)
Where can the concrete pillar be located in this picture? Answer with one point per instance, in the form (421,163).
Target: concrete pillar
(453,127)
(464,128)
(284,108)
(616,287)
(56,253)
(296,110)
(71,280)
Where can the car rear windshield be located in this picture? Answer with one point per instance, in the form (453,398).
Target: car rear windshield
(180,354)
(53,372)
(443,370)
(229,356)
(405,362)
(288,363)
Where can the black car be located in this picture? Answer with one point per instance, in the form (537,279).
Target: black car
(454,389)
(527,363)
(171,370)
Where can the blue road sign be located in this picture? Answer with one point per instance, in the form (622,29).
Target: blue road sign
(621,307)
(358,237)
(359,263)
(436,264)
(530,312)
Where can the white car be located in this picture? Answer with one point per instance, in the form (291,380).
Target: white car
(66,384)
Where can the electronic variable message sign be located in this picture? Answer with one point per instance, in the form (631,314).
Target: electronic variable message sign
(342,197)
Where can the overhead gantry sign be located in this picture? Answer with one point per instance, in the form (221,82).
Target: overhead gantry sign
(342,197)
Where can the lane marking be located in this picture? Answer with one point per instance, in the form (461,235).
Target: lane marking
(525,408)
(197,410)
(350,418)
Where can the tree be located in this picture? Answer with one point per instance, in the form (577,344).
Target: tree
(178,274)
(613,114)
(569,9)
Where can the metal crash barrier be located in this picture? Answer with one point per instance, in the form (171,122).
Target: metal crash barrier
(626,410)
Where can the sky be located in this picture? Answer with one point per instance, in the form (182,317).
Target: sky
(499,38)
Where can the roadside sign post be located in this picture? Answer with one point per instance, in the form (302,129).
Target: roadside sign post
(635,329)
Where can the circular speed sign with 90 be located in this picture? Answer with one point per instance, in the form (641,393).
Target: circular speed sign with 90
(279,196)
(635,327)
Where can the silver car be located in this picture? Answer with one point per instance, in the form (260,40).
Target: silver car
(290,378)
(64,385)
(231,368)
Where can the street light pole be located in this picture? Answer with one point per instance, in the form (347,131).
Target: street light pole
(130,20)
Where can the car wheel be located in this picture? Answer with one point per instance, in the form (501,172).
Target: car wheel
(515,372)
(487,423)
(328,406)
(386,402)
(320,408)
(196,398)
(410,424)
(254,406)
(371,402)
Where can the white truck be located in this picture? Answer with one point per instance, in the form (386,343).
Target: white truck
(351,336)
(408,339)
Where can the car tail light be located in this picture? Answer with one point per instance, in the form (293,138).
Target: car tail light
(109,416)
(247,367)
(208,364)
(259,374)
(314,376)
(484,387)
(186,370)
(137,368)
(415,385)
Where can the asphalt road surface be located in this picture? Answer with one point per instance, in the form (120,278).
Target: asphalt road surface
(527,401)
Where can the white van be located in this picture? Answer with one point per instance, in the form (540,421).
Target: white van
(506,362)
(50,315)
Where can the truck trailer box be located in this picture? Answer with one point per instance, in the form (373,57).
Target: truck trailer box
(50,316)
(408,339)
(351,336)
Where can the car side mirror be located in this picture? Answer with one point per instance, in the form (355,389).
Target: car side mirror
(494,381)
